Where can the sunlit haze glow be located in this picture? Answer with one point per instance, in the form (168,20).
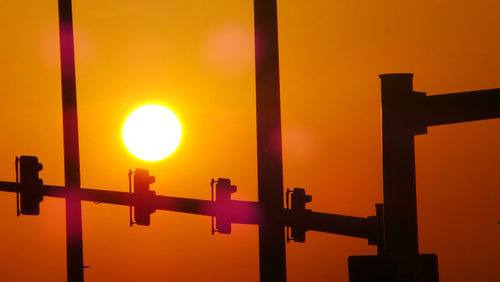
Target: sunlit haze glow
(152,132)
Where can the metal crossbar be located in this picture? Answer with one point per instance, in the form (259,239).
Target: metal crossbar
(241,212)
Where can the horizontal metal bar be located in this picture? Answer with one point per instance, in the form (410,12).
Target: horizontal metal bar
(239,211)
(462,107)
(360,227)
(339,224)
(244,212)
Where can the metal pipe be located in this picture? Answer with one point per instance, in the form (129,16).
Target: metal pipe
(239,212)
(339,224)
(462,107)
(244,212)
(272,255)
(74,246)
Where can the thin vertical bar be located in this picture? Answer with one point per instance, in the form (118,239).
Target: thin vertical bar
(269,149)
(74,246)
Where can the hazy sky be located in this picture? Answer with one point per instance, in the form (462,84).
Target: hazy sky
(196,57)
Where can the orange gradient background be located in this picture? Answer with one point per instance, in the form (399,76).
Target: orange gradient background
(196,57)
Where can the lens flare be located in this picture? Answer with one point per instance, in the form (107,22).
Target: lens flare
(152,132)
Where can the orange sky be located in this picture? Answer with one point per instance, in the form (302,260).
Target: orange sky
(196,57)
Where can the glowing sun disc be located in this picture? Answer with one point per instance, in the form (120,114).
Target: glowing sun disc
(152,132)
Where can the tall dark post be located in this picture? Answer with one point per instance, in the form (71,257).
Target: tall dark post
(74,247)
(269,155)
(399,124)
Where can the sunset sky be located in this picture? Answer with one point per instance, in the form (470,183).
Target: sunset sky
(197,58)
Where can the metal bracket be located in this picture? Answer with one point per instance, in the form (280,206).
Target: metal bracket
(17,181)
(287,228)
(130,172)
(212,182)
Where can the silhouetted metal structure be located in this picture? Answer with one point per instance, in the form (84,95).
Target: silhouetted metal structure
(393,229)
(74,245)
(406,113)
(269,154)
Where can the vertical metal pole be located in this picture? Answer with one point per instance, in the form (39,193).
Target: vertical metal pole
(269,155)
(400,206)
(74,247)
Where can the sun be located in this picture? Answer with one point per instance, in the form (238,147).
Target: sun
(152,132)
